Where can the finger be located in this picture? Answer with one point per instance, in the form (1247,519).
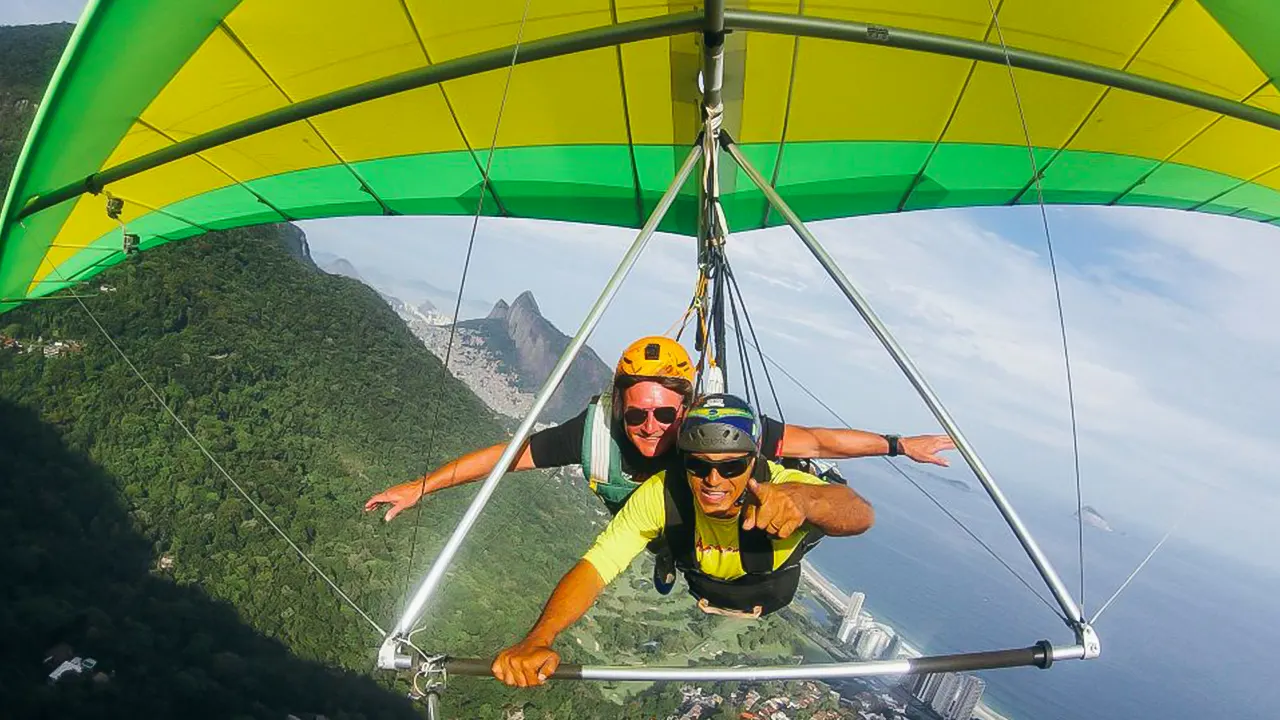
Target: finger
(548,667)
(529,673)
(394,511)
(750,520)
(503,671)
(767,516)
(788,528)
(375,501)
(752,484)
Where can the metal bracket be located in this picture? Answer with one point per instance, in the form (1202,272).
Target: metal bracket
(1087,638)
(432,677)
(390,657)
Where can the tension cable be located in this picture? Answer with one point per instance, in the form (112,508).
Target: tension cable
(1057,289)
(462,284)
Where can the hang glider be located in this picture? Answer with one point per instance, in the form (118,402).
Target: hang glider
(213,114)
(166,121)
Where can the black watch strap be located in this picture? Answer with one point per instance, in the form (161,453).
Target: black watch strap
(894,448)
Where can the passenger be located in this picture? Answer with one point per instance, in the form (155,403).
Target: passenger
(625,436)
(737,525)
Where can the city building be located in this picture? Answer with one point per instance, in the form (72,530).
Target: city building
(952,696)
(966,699)
(870,643)
(75,666)
(852,619)
(947,690)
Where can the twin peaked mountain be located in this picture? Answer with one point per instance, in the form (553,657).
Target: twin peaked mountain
(504,357)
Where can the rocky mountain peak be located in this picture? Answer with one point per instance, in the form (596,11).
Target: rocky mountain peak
(525,302)
(499,311)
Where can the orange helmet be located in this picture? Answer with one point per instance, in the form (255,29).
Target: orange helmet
(656,357)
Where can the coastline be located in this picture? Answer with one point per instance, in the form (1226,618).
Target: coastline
(833,596)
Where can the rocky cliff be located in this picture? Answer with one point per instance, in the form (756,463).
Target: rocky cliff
(526,346)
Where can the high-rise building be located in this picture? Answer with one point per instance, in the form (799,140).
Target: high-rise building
(947,690)
(891,652)
(925,687)
(870,642)
(852,617)
(967,698)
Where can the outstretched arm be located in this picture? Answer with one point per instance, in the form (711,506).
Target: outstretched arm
(782,508)
(468,468)
(806,442)
(531,661)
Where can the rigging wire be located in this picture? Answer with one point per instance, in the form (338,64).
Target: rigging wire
(1134,574)
(917,486)
(1057,289)
(755,342)
(748,376)
(239,488)
(1138,569)
(462,283)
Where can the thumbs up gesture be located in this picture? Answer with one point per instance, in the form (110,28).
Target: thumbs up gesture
(776,509)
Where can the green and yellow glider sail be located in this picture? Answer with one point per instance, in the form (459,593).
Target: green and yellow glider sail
(163,105)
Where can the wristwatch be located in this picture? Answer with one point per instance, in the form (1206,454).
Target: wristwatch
(894,448)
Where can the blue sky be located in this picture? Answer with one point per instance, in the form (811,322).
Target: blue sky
(1170,317)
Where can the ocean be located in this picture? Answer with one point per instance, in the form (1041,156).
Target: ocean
(1191,638)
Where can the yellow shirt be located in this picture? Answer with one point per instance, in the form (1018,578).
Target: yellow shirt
(715,540)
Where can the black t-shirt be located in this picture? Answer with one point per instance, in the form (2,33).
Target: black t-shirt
(562,445)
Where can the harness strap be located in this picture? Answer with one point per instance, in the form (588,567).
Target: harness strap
(601,456)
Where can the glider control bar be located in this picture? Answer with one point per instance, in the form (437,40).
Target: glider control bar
(1041,655)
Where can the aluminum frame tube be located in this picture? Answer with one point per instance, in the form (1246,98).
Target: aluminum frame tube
(712,52)
(432,580)
(555,46)
(871,34)
(1032,548)
(1041,655)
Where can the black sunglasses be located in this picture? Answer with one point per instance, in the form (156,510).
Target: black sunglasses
(637,416)
(728,468)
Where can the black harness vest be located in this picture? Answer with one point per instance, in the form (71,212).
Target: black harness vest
(762,585)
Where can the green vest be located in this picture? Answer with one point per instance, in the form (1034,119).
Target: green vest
(602,458)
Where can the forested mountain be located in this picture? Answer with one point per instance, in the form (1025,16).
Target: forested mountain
(28,55)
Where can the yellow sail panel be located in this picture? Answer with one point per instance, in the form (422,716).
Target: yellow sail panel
(989,111)
(218,86)
(1127,123)
(1190,49)
(1234,147)
(314,47)
(646,70)
(410,123)
(1102,32)
(768,67)
(907,97)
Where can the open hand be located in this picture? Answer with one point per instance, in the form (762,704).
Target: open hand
(399,497)
(776,509)
(528,663)
(925,448)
